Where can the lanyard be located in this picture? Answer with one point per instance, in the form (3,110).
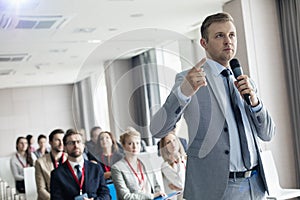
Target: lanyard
(75,177)
(106,167)
(176,162)
(55,163)
(135,173)
(24,166)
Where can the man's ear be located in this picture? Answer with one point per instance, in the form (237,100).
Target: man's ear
(203,43)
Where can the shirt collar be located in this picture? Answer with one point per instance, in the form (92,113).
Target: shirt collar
(216,67)
(73,164)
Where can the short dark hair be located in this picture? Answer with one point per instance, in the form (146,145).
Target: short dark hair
(54,132)
(68,134)
(94,129)
(219,17)
(41,136)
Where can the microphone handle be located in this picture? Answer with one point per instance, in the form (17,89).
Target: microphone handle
(237,71)
(247,99)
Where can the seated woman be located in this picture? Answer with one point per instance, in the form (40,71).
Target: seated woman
(131,179)
(173,167)
(106,152)
(19,161)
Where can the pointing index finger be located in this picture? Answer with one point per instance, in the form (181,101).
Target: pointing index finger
(200,63)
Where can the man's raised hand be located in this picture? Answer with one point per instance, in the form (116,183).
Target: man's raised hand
(194,79)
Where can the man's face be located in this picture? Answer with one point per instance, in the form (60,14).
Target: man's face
(57,144)
(74,146)
(95,135)
(221,43)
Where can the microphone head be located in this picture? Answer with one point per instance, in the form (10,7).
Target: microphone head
(234,63)
(235,67)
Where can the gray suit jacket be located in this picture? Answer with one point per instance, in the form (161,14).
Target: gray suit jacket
(208,152)
(125,182)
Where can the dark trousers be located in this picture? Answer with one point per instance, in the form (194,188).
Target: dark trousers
(20,186)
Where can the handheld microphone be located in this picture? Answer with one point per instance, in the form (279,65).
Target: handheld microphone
(237,71)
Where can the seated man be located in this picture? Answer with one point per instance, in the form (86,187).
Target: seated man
(77,177)
(48,162)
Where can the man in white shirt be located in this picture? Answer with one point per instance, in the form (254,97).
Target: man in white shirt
(77,178)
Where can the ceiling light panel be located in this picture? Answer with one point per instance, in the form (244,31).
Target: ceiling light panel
(8,21)
(13,57)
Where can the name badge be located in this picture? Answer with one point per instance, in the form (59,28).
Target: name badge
(81,197)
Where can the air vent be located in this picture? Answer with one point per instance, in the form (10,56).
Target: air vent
(6,72)
(33,22)
(13,57)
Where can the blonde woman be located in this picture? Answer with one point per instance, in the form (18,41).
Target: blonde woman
(173,167)
(130,175)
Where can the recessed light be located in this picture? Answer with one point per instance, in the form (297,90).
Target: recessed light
(94,41)
(84,30)
(137,15)
(58,50)
(112,29)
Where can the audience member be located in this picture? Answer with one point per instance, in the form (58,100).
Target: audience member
(131,179)
(107,152)
(182,141)
(30,141)
(19,161)
(42,150)
(48,162)
(91,144)
(173,167)
(82,133)
(77,177)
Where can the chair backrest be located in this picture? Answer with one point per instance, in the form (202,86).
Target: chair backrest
(112,191)
(153,164)
(30,185)
(270,171)
(5,171)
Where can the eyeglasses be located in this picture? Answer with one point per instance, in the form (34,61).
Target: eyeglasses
(74,142)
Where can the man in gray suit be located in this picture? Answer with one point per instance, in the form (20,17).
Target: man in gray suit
(223,154)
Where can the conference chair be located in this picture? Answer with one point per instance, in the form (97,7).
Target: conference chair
(272,178)
(5,171)
(30,185)
(112,191)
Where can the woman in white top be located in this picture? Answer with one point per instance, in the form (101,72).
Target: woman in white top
(19,161)
(130,176)
(173,167)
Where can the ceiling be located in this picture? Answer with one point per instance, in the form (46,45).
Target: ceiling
(48,42)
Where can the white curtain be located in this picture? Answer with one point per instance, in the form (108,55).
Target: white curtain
(289,13)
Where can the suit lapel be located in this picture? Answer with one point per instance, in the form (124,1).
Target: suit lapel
(217,88)
(218,111)
(49,165)
(86,176)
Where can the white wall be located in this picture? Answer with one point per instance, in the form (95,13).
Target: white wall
(33,110)
(260,50)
